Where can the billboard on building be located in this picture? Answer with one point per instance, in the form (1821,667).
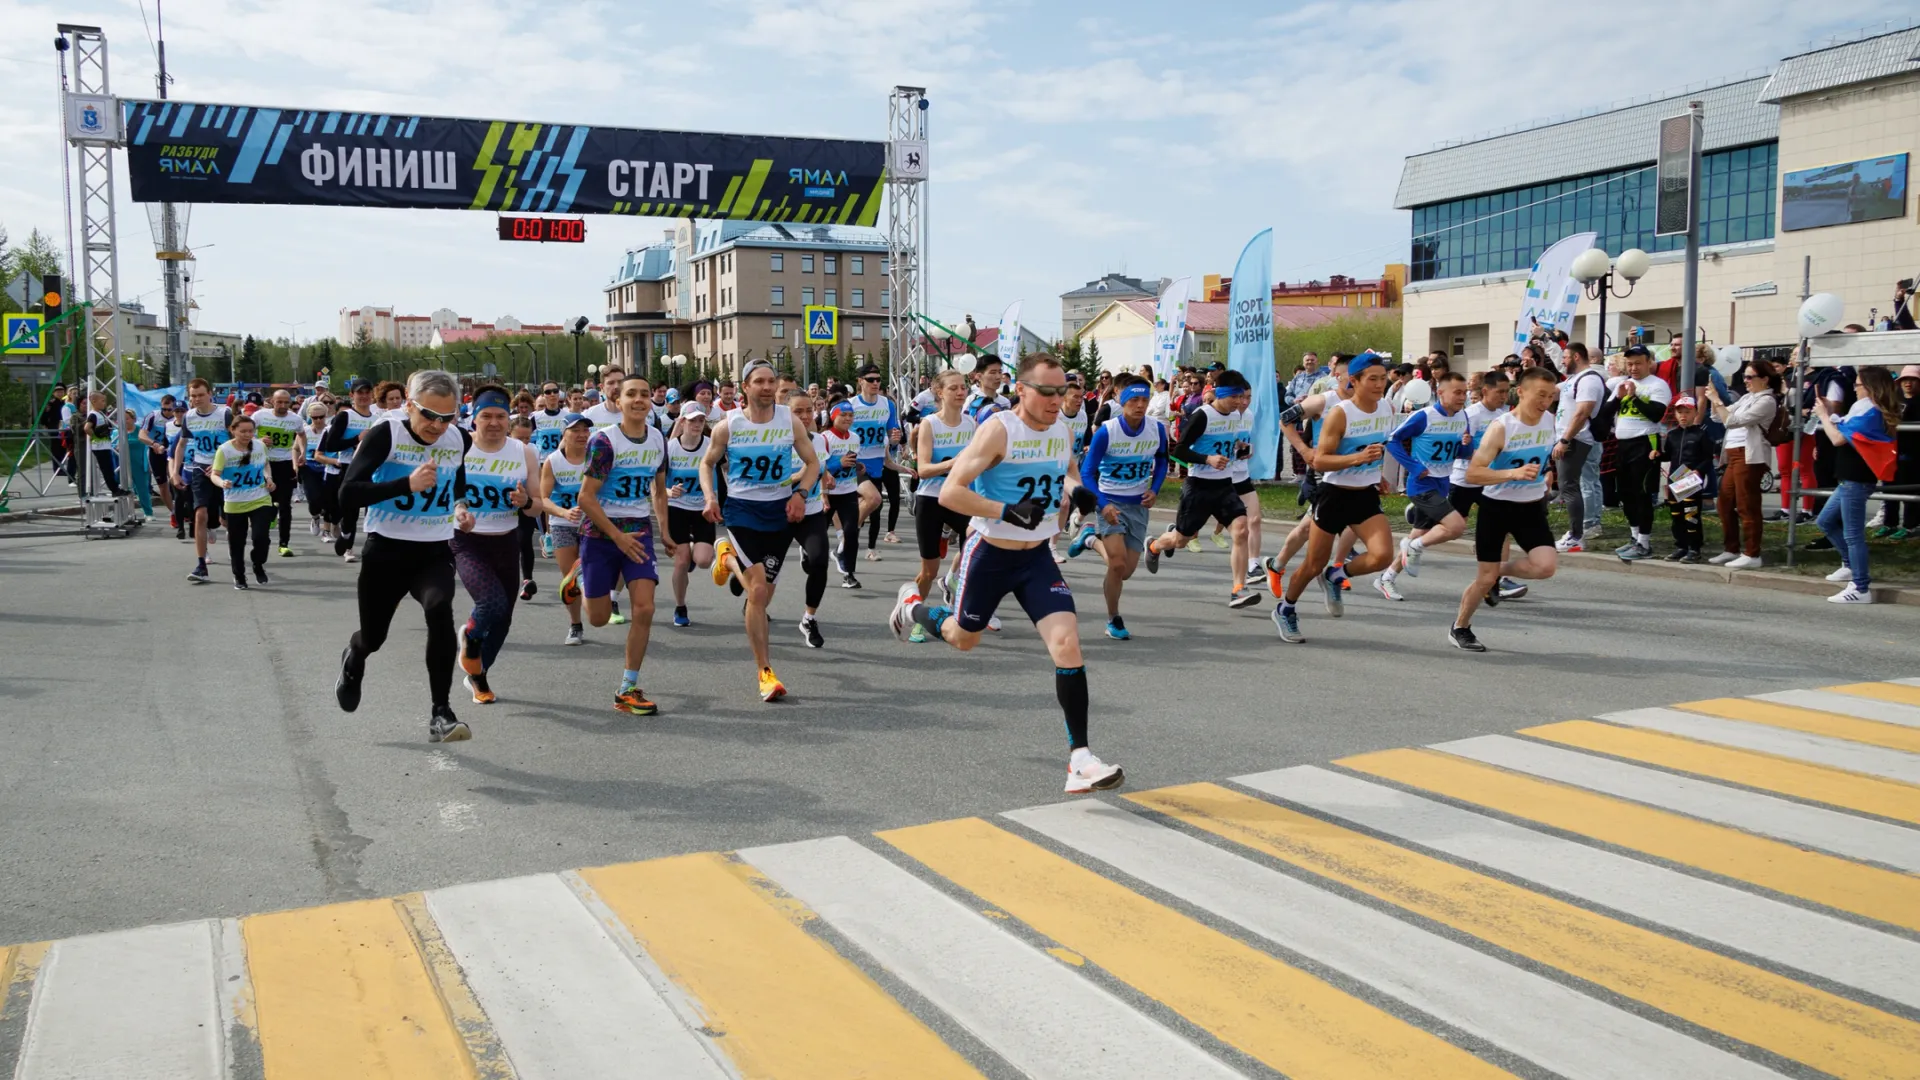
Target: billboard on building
(1873,189)
(187,152)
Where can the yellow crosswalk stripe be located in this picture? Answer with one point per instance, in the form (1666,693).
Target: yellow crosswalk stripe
(342,991)
(1811,721)
(19,964)
(1886,895)
(1276,1013)
(1796,1021)
(787,1004)
(1898,693)
(1835,787)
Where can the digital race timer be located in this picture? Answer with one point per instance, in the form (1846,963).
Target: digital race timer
(562,230)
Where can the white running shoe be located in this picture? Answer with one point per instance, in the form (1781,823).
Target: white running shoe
(1412,556)
(1568,544)
(1724,558)
(313,526)
(1092,774)
(349,557)
(1851,595)
(1746,562)
(1386,588)
(1842,574)
(900,619)
(575,636)
(993,623)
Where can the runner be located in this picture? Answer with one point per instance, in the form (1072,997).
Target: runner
(549,424)
(182,497)
(279,428)
(313,471)
(1243,486)
(406,472)
(203,429)
(876,423)
(604,414)
(624,492)
(1427,445)
(1018,458)
(1074,414)
(1126,463)
(764,502)
(1511,460)
(692,533)
(816,524)
(1209,438)
(343,436)
(492,500)
(241,470)
(1300,425)
(527,526)
(850,499)
(1353,434)
(152,433)
(940,436)
(986,398)
(560,477)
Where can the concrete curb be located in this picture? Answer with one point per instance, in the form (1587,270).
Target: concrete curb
(1698,574)
(27,515)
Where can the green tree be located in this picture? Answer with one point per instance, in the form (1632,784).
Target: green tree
(322,361)
(252,367)
(362,354)
(39,256)
(1090,363)
(1346,334)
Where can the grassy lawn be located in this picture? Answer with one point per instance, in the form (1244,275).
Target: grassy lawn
(1892,561)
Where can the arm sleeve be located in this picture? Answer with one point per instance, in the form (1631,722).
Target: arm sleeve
(1400,443)
(1160,462)
(1653,410)
(336,428)
(1090,461)
(1191,428)
(357,487)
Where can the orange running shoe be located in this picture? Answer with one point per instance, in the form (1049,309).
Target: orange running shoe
(633,700)
(470,652)
(770,687)
(1276,579)
(570,586)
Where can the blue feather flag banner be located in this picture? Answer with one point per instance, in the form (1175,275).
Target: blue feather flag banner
(1250,349)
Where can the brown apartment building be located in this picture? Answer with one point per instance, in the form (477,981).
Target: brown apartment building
(725,292)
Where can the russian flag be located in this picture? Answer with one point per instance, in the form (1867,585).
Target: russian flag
(1868,434)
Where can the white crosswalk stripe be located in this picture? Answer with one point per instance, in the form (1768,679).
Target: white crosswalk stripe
(139,1005)
(1819,749)
(1826,830)
(1887,712)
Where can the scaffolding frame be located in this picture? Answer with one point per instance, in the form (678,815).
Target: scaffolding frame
(906,245)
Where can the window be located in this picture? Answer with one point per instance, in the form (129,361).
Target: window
(833,264)
(886,300)
(777,262)
(886,332)
(859,298)
(883,265)
(806,264)
(856,264)
(1459,345)
(779,328)
(806,296)
(859,331)
(778,297)
(833,297)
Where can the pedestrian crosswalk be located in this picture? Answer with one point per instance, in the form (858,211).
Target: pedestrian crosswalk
(1724,888)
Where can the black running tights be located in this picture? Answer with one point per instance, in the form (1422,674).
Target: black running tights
(529,528)
(812,534)
(486,564)
(423,569)
(846,508)
(283,473)
(890,489)
(258,522)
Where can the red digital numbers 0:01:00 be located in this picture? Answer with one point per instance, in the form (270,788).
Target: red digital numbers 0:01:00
(543,230)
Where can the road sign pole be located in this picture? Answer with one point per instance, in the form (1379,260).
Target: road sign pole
(1690,319)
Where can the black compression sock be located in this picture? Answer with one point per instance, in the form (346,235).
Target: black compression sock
(929,616)
(1070,686)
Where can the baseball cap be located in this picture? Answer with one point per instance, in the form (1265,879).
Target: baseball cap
(869,369)
(361,384)
(673,395)
(1911,371)
(1636,350)
(1358,364)
(1685,401)
(692,410)
(576,418)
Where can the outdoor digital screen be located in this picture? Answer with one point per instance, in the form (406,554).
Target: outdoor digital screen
(1871,190)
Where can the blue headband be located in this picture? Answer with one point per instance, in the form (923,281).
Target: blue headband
(1134,390)
(491,399)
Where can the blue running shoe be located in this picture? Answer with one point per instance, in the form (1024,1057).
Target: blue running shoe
(1081,541)
(1117,629)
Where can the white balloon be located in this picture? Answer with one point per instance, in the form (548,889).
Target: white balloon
(1727,360)
(964,363)
(1821,314)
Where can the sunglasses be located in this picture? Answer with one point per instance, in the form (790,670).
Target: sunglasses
(871,379)
(434,417)
(1049,391)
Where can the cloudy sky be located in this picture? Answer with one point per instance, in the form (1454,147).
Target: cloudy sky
(1069,139)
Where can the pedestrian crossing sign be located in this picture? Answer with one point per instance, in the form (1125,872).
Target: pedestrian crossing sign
(823,325)
(22,335)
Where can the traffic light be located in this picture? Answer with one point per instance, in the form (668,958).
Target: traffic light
(52,302)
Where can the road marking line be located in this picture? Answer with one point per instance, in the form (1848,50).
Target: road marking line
(1748,1003)
(1819,750)
(1246,998)
(458,816)
(342,991)
(137,1003)
(1899,691)
(782,1003)
(1554,1026)
(1886,712)
(490,1060)
(1795,718)
(19,967)
(1886,895)
(1038,1013)
(1810,826)
(1817,783)
(1811,941)
(563,999)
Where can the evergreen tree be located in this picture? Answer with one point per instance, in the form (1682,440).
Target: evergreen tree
(1090,363)
(362,354)
(252,366)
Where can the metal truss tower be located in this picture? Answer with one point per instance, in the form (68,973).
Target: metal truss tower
(83,53)
(906,235)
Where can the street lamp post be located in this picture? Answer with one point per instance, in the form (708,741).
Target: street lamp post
(1594,269)
(578,328)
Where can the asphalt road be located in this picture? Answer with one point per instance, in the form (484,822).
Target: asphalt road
(170,751)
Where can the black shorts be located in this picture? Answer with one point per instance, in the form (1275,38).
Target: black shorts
(1243,488)
(206,494)
(1337,508)
(1526,522)
(1203,499)
(763,547)
(931,520)
(686,526)
(1463,499)
(989,574)
(1428,509)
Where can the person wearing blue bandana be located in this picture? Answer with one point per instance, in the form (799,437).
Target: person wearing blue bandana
(1010,479)
(1125,464)
(1426,444)
(491,504)
(876,424)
